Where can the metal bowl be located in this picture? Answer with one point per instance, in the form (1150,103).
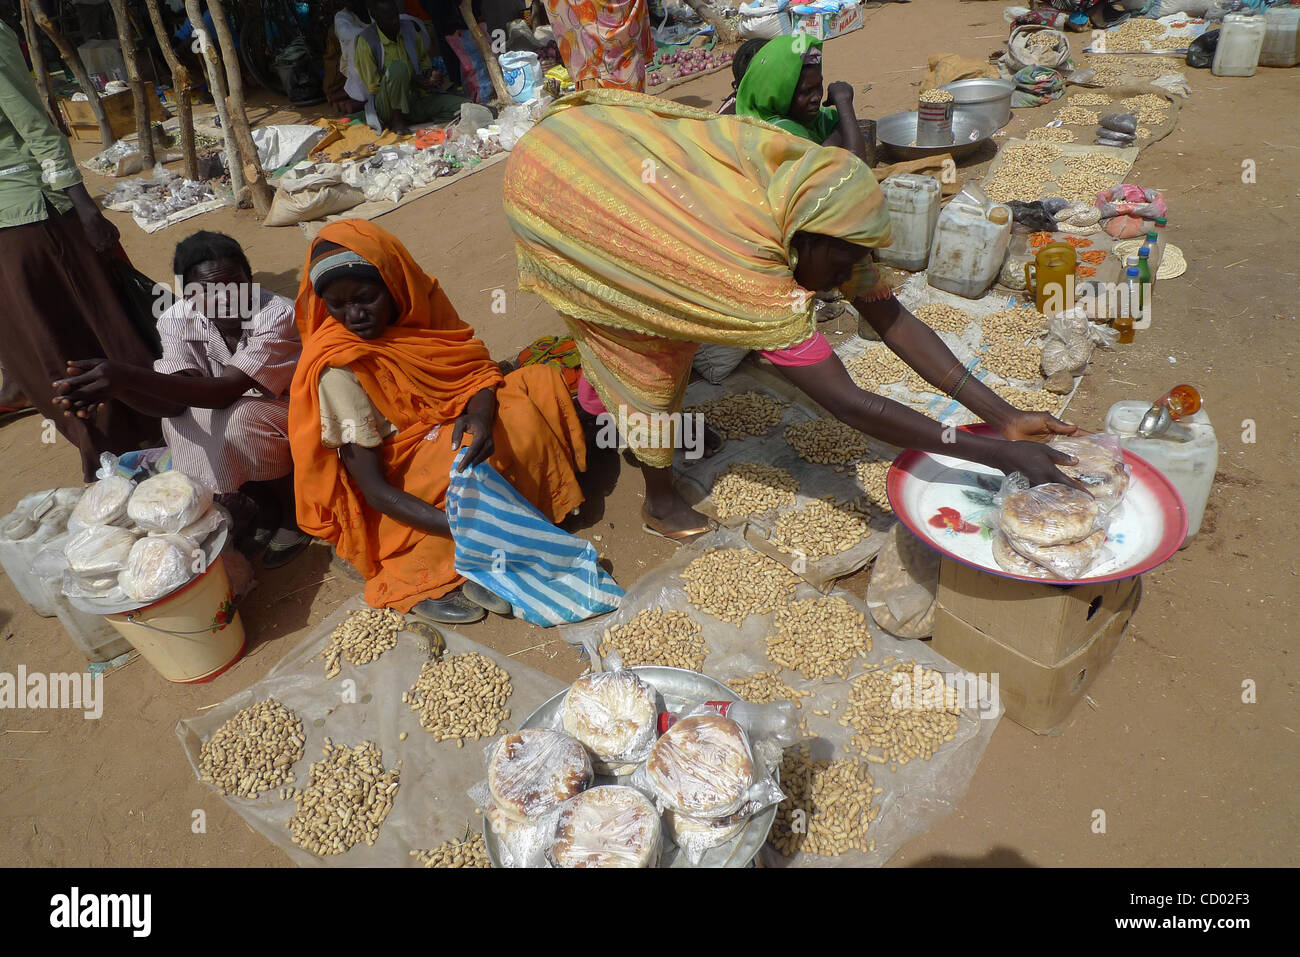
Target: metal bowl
(898,130)
(985,101)
(684,686)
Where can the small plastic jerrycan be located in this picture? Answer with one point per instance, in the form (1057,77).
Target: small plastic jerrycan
(1053,276)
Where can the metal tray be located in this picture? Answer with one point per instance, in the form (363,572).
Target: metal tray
(677,687)
(897,130)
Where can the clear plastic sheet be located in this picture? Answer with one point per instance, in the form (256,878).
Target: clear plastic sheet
(432,804)
(99,550)
(104,503)
(168,502)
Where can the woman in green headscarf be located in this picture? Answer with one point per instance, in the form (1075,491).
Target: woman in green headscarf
(783,86)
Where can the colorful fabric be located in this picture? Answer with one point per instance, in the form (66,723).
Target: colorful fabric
(420,374)
(329,265)
(561,353)
(816,348)
(652,227)
(608,43)
(769,83)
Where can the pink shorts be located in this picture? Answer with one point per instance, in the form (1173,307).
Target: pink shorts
(811,351)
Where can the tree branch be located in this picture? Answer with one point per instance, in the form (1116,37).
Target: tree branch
(78,68)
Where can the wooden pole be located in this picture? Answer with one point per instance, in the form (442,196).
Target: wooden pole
(40,70)
(207,51)
(70,56)
(485,51)
(139,86)
(182,86)
(253,172)
(726,29)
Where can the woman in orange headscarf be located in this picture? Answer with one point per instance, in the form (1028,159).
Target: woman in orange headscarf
(391,383)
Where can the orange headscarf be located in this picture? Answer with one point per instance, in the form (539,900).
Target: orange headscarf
(421,372)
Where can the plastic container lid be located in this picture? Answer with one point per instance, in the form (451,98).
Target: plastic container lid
(1162,221)
(1144,252)
(1133,272)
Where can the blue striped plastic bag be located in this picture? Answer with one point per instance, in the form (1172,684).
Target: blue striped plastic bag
(506,545)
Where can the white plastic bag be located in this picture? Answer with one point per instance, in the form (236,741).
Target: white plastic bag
(613,714)
(608,826)
(1101,466)
(197,532)
(158,565)
(99,550)
(1056,526)
(104,503)
(168,502)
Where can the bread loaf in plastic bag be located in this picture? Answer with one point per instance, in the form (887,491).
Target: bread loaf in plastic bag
(613,714)
(157,566)
(99,550)
(168,502)
(104,503)
(609,826)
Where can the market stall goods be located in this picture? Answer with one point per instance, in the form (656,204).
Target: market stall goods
(827,441)
(613,714)
(878,366)
(99,550)
(829,806)
(700,834)
(1100,467)
(742,414)
(254,752)
(347,798)
(747,488)
(765,687)
(1011,560)
(1066,561)
(1049,514)
(942,317)
(362,637)
(702,766)
(819,528)
(157,566)
(532,770)
(609,826)
(104,503)
(819,637)
(167,502)
(903,712)
(471,852)
(657,637)
(734,583)
(460,696)
(873,476)
(1008,359)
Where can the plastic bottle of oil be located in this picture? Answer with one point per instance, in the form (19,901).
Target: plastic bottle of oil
(1123,320)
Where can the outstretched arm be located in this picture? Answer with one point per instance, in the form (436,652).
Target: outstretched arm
(364,466)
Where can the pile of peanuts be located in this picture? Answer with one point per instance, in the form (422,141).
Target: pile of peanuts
(873,476)
(657,637)
(899,734)
(879,366)
(741,414)
(943,318)
(1022,172)
(1148,107)
(1089,99)
(468,853)
(826,441)
(1011,360)
(1111,70)
(734,583)
(819,637)
(362,637)
(766,687)
(748,488)
(1043,38)
(254,752)
(828,807)
(1053,134)
(1028,400)
(460,696)
(1015,324)
(819,528)
(1134,36)
(1089,174)
(1072,115)
(347,798)
(935,96)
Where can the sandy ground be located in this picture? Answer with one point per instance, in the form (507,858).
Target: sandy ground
(1186,773)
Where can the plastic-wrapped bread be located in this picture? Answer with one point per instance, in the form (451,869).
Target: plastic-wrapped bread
(613,713)
(1011,560)
(609,826)
(103,503)
(168,502)
(99,550)
(1048,515)
(702,766)
(1067,561)
(532,770)
(203,526)
(696,835)
(1100,467)
(158,565)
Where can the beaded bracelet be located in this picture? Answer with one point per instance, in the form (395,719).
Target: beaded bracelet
(962,382)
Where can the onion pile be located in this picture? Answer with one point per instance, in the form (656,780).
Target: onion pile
(687,62)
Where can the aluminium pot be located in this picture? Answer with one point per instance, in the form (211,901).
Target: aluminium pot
(986,101)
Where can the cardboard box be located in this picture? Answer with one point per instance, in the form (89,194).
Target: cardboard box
(826,26)
(1036,696)
(1046,623)
(120,108)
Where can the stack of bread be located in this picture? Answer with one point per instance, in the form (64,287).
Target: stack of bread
(530,772)
(1058,531)
(608,826)
(613,714)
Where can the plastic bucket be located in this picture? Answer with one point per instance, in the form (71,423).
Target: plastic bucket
(522,72)
(192,635)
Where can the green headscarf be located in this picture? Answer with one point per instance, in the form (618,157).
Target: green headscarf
(769,84)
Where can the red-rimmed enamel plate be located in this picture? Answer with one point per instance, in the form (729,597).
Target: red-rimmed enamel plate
(948,504)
